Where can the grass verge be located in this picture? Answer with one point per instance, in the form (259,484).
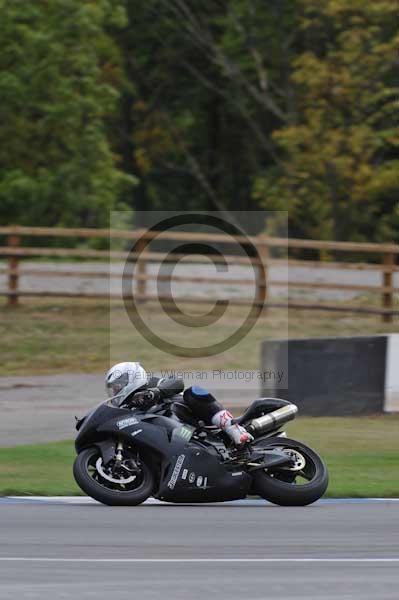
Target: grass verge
(66,336)
(361,454)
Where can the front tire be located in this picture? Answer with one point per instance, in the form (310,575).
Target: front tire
(282,486)
(90,480)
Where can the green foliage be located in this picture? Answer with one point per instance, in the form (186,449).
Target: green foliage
(340,172)
(237,105)
(58,70)
(207,86)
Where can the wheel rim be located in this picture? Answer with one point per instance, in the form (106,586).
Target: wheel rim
(299,474)
(116,477)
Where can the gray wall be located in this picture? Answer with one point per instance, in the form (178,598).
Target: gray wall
(329,376)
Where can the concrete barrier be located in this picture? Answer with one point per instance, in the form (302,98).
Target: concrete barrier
(336,376)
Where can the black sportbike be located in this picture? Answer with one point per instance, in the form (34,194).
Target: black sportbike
(126,455)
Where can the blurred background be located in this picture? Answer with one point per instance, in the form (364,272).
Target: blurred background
(241,109)
(172,104)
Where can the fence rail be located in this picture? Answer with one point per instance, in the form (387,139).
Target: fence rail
(14,252)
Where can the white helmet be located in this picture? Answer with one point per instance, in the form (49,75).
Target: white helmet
(123,374)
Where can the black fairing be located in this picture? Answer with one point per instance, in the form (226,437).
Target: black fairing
(189,471)
(197,475)
(88,425)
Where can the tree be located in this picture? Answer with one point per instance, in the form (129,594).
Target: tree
(285,104)
(207,86)
(340,170)
(59,72)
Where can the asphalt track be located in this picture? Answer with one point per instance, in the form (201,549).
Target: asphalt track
(79,549)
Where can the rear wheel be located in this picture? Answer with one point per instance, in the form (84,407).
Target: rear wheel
(119,483)
(303,482)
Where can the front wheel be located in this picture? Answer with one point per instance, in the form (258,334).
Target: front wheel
(127,483)
(303,482)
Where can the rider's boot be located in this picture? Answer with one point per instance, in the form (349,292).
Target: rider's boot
(237,433)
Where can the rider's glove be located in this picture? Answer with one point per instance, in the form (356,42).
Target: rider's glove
(145,399)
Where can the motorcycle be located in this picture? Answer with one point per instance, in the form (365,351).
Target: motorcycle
(126,455)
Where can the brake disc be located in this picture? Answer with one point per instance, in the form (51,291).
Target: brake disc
(297,457)
(121,480)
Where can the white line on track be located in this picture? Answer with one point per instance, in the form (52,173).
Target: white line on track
(83,500)
(202,560)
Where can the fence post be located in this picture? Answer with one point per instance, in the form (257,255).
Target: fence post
(387,280)
(261,282)
(13,241)
(141,284)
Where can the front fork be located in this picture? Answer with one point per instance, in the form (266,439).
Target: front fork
(129,464)
(119,453)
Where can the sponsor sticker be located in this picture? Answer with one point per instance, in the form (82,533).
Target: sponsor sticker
(185,432)
(176,471)
(127,422)
(200,479)
(134,433)
(185,473)
(191,478)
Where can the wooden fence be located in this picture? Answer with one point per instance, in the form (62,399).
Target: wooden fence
(14,252)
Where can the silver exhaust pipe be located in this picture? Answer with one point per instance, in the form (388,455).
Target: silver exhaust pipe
(273,420)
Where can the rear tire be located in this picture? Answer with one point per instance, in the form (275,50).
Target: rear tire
(279,486)
(111,497)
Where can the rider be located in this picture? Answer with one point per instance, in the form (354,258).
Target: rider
(202,404)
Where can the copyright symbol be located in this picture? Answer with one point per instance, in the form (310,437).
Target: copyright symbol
(165,277)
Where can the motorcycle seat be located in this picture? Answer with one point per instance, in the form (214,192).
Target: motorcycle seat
(260,407)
